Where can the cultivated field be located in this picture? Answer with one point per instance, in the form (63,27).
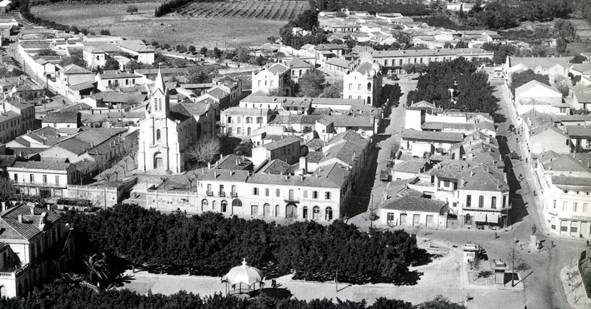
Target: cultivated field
(275,9)
(173,28)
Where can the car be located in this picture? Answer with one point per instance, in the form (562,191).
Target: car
(385,175)
(514,156)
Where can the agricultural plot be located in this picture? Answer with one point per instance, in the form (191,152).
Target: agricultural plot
(221,24)
(275,9)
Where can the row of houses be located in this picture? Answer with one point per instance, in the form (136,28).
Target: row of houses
(447,173)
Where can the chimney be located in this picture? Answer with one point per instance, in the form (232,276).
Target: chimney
(48,207)
(304,164)
(208,165)
(32,209)
(20,218)
(3,206)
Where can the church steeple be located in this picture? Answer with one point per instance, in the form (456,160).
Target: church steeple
(159,83)
(159,103)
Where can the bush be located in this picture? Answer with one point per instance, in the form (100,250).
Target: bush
(211,244)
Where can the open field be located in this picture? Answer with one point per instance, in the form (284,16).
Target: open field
(172,29)
(275,9)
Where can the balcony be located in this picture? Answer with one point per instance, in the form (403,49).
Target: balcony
(209,193)
(222,194)
(234,194)
(291,199)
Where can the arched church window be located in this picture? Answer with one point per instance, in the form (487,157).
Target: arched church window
(158,134)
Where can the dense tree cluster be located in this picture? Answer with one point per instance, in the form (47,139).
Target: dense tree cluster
(585,270)
(211,244)
(308,21)
(521,78)
(472,91)
(60,295)
(405,7)
(508,14)
(584,7)
(169,6)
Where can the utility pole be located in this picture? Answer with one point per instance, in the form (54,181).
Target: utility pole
(336,287)
(513,264)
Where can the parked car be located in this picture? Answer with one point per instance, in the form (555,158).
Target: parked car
(385,175)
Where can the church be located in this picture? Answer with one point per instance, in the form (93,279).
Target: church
(168,130)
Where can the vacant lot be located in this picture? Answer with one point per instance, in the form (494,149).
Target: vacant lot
(172,29)
(275,9)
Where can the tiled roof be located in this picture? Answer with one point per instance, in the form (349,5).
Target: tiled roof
(448,137)
(414,203)
(61,117)
(198,108)
(553,161)
(298,63)
(411,166)
(53,165)
(429,52)
(282,143)
(572,183)
(74,69)
(12,229)
(578,131)
(543,62)
(277,68)
(234,162)
(117,75)
(218,174)
(217,92)
(276,167)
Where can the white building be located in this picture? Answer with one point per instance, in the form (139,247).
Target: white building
(413,211)
(43,178)
(27,234)
(566,192)
(364,83)
(273,78)
(540,97)
(168,130)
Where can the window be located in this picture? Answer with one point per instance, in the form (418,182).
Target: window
(266,191)
(468,200)
(31,178)
(390,217)
(480,201)
(314,194)
(44,179)
(248,120)
(158,135)
(564,205)
(15,177)
(358,87)
(233,188)
(493,202)
(255,191)
(554,204)
(277,192)
(327,195)
(575,206)
(305,212)
(504,201)
(350,86)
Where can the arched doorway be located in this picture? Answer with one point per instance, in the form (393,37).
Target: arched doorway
(158,161)
(315,213)
(266,210)
(291,211)
(328,214)
(305,212)
(224,206)
(276,210)
(236,206)
(204,204)
(213,205)
(254,210)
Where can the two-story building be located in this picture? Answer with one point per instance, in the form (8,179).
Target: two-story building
(43,178)
(566,190)
(272,79)
(364,83)
(27,235)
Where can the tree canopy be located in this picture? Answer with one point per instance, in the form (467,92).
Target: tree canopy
(211,244)
(521,78)
(311,83)
(472,91)
(61,295)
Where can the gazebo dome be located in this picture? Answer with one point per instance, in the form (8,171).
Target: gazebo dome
(243,274)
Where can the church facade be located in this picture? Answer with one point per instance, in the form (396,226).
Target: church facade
(168,131)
